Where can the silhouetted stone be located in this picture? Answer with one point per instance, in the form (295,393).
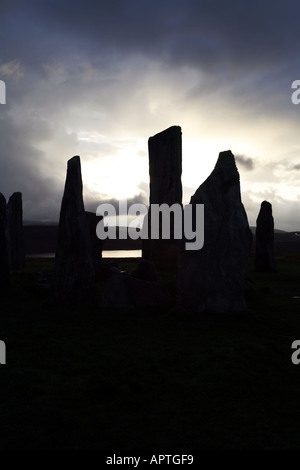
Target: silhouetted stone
(264,255)
(16,249)
(122,291)
(165,155)
(4,266)
(213,278)
(96,243)
(73,269)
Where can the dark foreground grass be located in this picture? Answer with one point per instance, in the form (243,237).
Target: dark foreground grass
(82,378)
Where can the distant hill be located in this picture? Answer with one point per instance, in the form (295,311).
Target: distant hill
(39,222)
(288,242)
(253,229)
(41,238)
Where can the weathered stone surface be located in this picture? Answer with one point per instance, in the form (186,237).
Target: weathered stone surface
(122,291)
(4,266)
(73,269)
(96,243)
(165,167)
(264,254)
(213,278)
(16,248)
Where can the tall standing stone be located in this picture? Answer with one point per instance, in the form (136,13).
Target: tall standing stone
(96,243)
(264,254)
(212,278)
(16,249)
(73,269)
(165,167)
(4,266)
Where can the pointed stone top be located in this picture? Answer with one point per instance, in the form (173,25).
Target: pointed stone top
(266,204)
(266,207)
(15,196)
(226,160)
(74,169)
(74,161)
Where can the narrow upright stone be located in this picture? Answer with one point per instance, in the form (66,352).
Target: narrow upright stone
(264,254)
(96,243)
(212,278)
(16,249)
(73,270)
(165,167)
(4,267)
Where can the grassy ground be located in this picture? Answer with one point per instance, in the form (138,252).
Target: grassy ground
(81,378)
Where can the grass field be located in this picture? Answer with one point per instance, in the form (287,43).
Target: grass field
(85,378)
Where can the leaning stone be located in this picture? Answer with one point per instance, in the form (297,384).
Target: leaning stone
(96,243)
(73,269)
(264,255)
(213,278)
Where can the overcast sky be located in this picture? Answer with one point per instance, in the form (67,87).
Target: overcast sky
(98,78)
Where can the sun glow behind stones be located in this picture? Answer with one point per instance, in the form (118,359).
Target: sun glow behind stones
(116,176)
(118,169)
(198,160)
(199,157)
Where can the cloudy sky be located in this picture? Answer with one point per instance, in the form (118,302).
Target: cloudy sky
(98,78)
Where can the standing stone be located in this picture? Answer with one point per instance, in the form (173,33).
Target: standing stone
(213,278)
(264,255)
(16,249)
(73,269)
(4,266)
(165,155)
(96,243)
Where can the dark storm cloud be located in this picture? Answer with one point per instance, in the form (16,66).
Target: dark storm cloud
(245,161)
(244,54)
(245,49)
(207,34)
(20,171)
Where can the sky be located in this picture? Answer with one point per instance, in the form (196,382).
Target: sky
(98,78)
